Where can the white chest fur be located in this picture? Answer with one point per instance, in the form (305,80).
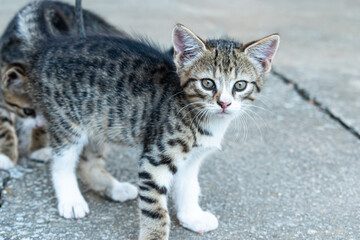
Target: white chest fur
(217,127)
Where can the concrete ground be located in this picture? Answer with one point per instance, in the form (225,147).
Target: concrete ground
(295,172)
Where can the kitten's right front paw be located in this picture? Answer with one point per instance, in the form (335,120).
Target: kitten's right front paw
(198,221)
(5,162)
(73,208)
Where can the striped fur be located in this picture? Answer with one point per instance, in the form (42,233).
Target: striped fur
(40,19)
(91,168)
(108,89)
(8,140)
(59,18)
(48,18)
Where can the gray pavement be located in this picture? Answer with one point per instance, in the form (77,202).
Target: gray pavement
(296,174)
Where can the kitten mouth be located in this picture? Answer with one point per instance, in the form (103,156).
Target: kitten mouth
(223,112)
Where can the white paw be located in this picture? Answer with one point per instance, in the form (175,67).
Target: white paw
(73,208)
(123,192)
(5,162)
(43,154)
(198,221)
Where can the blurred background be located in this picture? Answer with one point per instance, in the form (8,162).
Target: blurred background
(292,173)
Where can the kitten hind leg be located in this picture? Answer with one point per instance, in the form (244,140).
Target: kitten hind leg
(71,204)
(39,149)
(92,171)
(186,193)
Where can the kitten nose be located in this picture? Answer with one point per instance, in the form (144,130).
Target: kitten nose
(223,105)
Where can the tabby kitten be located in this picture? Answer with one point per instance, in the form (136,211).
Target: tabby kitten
(44,18)
(29,126)
(91,169)
(107,89)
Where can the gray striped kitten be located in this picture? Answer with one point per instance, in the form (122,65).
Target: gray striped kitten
(56,19)
(106,89)
(44,18)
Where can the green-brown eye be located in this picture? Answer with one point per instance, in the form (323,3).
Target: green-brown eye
(208,84)
(240,86)
(29,112)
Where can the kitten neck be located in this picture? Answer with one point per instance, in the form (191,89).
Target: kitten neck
(215,128)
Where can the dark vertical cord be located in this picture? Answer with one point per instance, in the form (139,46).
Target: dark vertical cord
(79,19)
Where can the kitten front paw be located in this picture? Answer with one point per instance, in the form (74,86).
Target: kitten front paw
(43,154)
(123,191)
(198,221)
(5,162)
(73,208)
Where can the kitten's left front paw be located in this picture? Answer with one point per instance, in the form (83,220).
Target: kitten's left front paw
(43,154)
(198,221)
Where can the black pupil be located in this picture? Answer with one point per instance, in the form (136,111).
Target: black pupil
(208,83)
(29,112)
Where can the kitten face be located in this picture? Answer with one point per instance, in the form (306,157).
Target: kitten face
(221,77)
(15,98)
(223,80)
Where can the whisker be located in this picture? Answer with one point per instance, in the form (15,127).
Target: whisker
(175,95)
(256,123)
(244,125)
(194,109)
(196,115)
(198,102)
(268,102)
(258,116)
(201,117)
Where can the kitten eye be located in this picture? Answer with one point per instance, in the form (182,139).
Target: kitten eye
(29,112)
(240,86)
(208,84)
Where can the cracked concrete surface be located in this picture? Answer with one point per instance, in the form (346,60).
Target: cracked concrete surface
(307,96)
(295,172)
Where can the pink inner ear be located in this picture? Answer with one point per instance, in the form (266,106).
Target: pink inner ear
(270,50)
(263,52)
(179,45)
(186,45)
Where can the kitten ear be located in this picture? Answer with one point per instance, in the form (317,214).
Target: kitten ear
(263,51)
(187,46)
(13,77)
